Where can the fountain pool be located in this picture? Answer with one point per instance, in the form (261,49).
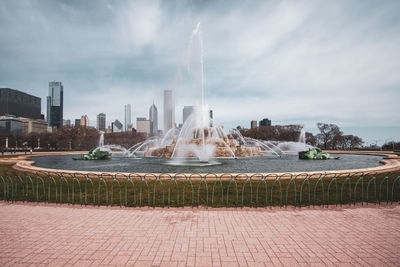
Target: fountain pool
(285,163)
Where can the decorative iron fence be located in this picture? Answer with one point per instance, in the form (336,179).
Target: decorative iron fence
(208,190)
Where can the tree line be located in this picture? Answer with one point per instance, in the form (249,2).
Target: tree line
(69,138)
(329,137)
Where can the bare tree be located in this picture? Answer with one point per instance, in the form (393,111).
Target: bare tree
(329,136)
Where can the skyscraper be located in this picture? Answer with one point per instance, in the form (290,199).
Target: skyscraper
(153,118)
(84,121)
(66,122)
(169,110)
(143,126)
(265,122)
(128,120)
(116,126)
(101,122)
(187,111)
(55,104)
(253,124)
(19,104)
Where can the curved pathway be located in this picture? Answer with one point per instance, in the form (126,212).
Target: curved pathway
(48,234)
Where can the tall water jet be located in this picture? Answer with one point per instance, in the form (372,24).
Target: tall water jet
(197,32)
(302,136)
(197,124)
(101,139)
(115,150)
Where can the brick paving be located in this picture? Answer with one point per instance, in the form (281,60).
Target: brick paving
(41,235)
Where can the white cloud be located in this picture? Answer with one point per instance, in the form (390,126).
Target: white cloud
(289,61)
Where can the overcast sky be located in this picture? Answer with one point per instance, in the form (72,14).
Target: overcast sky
(291,61)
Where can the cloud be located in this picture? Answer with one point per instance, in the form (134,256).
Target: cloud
(303,61)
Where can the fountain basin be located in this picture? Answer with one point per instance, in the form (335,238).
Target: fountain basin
(286,163)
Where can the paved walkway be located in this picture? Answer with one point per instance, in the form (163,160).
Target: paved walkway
(65,235)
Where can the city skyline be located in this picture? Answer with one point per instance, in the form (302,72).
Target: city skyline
(370,140)
(327,62)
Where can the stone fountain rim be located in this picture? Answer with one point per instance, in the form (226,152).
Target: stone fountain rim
(391,163)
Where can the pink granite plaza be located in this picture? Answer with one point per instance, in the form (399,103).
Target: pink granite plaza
(41,235)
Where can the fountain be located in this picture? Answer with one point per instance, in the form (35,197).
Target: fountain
(302,136)
(291,147)
(198,142)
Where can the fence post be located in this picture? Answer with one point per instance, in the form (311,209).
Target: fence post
(202,180)
(347,179)
(9,180)
(385,179)
(334,179)
(233,179)
(277,179)
(394,183)
(157,180)
(307,179)
(361,178)
(18,178)
(292,180)
(188,180)
(51,178)
(88,179)
(73,190)
(320,179)
(4,188)
(63,179)
(144,181)
(27,187)
(373,179)
(173,179)
(14,187)
(101,179)
(217,180)
(261,180)
(115,180)
(130,181)
(38,177)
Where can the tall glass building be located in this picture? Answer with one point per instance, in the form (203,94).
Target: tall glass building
(128,117)
(169,110)
(153,118)
(101,122)
(55,104)
(187,111)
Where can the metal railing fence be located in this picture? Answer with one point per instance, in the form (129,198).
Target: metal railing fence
(210,190)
